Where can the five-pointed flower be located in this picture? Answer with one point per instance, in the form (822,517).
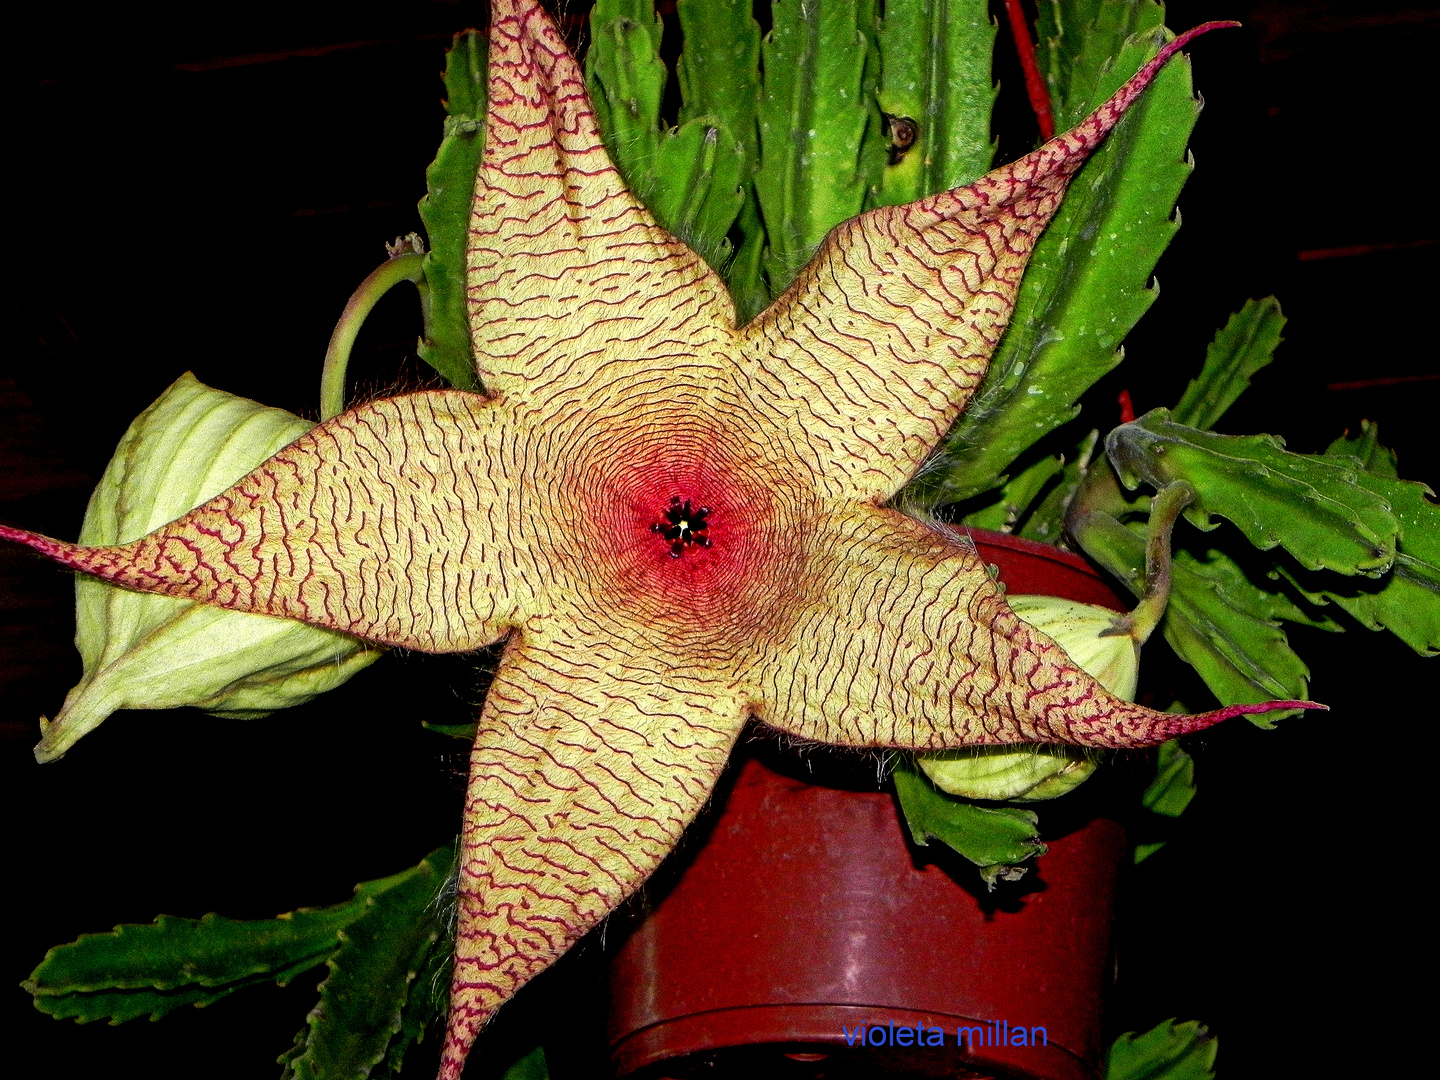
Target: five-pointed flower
(544,512)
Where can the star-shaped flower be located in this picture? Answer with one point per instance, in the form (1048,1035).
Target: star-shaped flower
(676,524)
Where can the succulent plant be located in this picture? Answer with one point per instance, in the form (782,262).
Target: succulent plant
(737,560)
(693,387)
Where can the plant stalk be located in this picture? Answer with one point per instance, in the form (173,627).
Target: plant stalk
(1165,508)
(398,268)
(1035,87)
(1095,514)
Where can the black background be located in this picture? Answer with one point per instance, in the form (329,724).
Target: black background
(202,192)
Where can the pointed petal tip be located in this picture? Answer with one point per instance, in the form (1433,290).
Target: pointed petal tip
(1182,40)
(1062,155)
(1142,78)
(55,549)
(1262,707)
(1172,725)
(1134,726)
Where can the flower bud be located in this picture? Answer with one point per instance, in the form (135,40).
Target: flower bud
(143,651)
(1044,772)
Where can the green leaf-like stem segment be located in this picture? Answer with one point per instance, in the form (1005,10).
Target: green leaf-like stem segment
(694,177)
(1168,1051)
(1033,502)
(1086,285)
(1174,784)
(152,970)
(445,212)
(1319,509)
(1169,793)
(936,95)
(364,1018)
(719,76)
(1244,346)
(1406,601)
(821,147)
(993,838)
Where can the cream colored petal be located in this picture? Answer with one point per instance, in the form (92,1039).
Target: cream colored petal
(582,779)
(566,271)
(388,522)
(879,343)
(912,645)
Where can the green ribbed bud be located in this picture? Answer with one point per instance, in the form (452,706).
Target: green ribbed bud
(142,651)
(1044,772)
(1080,629)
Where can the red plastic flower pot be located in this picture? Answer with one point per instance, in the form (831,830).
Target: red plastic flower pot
(798,914)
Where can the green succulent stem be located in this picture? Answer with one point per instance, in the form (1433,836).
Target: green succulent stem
(1165,508)
(1099,505)
(408,266)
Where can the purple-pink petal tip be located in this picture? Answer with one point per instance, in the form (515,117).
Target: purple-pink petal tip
(1179,43)
(1263,707)
(55,549)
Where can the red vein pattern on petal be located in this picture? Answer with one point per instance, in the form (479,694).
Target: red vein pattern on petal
(386,522)
(443,521)
(582,779)
(928,656)
(879,343)
(565,268)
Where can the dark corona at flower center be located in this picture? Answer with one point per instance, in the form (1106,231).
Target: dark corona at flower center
(682,526)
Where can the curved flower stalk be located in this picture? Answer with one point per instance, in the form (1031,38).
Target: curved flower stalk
(143,651)
(675,523)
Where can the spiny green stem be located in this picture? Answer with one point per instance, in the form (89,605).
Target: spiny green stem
(406,267)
